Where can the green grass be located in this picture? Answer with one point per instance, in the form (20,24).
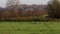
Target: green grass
(29,27)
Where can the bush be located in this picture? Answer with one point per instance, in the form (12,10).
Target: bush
(27,19)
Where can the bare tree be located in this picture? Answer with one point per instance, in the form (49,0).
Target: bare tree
(14,5)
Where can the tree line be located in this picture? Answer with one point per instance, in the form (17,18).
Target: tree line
(53,12)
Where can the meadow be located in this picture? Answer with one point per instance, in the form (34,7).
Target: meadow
(29,27)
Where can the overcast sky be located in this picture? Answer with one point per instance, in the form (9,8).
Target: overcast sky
(3,2)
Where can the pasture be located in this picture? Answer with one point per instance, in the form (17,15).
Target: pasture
(29,27)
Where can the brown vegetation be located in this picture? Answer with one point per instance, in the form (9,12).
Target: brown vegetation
(29,15)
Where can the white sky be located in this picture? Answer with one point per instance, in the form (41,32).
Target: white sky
(3,2)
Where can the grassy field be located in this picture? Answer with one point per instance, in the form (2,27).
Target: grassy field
(29,27)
